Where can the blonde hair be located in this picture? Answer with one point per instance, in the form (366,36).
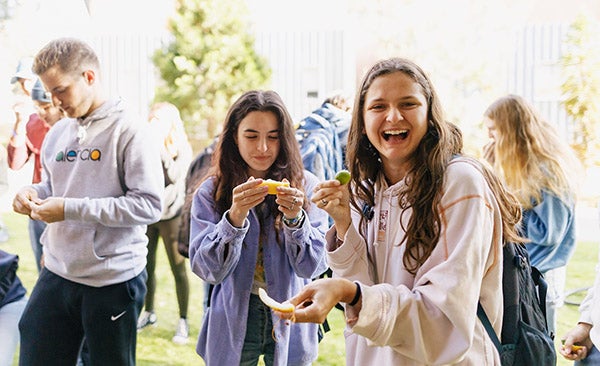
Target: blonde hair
(168,115)
(70,54)
(529,155)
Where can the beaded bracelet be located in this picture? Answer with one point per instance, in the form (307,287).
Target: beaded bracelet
(356,296)
(294,221)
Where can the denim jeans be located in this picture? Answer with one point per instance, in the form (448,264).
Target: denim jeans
(36,228)
(10,314)
(259,338)
(592,359)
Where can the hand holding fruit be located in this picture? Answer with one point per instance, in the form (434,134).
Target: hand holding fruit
(333,196)
(273,184)
(343,176)
(289,199)
(254,191)
(577,342)
(245,196)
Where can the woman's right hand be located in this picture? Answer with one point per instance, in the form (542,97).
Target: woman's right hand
(580,335)
(334,198)
(244,197)
(314,302)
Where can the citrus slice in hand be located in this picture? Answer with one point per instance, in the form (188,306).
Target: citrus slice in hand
(282,308)
(273,184)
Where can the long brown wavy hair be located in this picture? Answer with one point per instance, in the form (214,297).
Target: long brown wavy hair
(424,182)
(231,170)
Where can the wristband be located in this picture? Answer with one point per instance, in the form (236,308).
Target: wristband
(356,296)
(294,221)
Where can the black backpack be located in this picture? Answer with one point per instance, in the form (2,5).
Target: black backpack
(8,272)
(525,337)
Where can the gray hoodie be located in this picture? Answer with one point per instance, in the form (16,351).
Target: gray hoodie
(112,182)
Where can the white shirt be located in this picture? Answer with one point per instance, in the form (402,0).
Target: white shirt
(590,308)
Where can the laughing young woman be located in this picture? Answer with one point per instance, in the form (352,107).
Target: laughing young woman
(418,233)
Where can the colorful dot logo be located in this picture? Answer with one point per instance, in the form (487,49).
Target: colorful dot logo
(95,155)
(84,155)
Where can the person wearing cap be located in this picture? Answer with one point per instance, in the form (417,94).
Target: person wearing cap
(26,142)
(25,78)
(24,75)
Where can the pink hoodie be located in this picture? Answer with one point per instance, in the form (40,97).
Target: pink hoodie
(429,318)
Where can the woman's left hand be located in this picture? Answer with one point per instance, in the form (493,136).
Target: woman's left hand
(290,200)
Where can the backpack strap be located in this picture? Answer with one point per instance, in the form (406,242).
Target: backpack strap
(542,285)
(488,327)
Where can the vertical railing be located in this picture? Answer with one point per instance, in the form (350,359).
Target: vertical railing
(536,71)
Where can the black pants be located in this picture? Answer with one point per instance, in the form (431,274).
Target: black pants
(61,312)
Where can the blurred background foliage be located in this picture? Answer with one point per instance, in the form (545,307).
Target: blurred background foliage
(581,87)
(209,62)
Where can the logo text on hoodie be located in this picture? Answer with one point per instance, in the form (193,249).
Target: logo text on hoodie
(84,154)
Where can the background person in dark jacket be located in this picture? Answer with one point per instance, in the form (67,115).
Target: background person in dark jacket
(12,304)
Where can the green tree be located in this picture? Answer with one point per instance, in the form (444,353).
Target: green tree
(209,62)
(581,87)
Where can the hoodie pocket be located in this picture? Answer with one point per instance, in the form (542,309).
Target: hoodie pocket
(71,245)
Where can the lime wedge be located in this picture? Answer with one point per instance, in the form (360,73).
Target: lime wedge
(343,176)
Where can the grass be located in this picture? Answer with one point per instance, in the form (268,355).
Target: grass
(154,343)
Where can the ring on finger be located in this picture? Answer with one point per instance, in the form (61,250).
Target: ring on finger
(324,202)
(295,200)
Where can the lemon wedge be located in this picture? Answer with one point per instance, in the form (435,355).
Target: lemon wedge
(273,184)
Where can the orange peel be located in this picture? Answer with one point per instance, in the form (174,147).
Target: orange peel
(285,307)
(574,348)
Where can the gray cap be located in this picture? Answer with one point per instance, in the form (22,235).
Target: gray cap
(23,70)
(39,93)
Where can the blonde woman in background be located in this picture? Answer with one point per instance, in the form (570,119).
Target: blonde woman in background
(540,169)
(176,156)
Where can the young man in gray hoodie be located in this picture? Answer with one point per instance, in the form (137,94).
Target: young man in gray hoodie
(101,185)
